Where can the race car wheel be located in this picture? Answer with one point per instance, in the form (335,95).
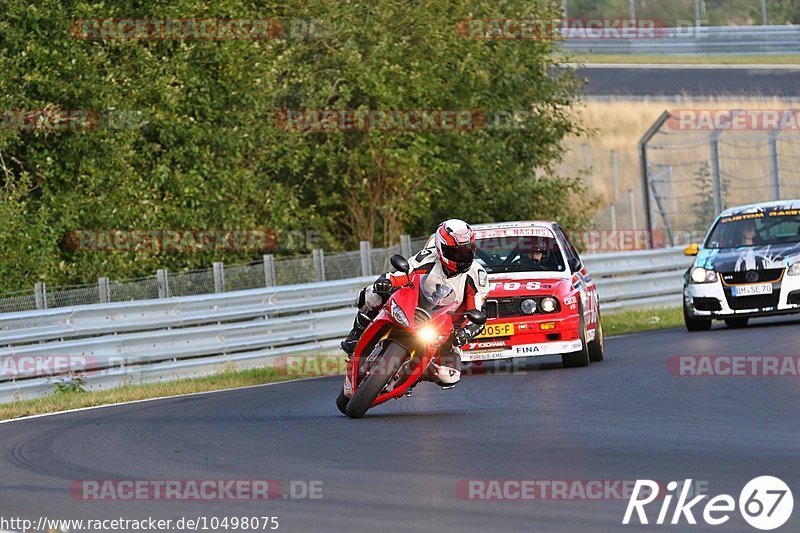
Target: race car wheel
(736,322)
(597,346)
(695,323)
(581,357)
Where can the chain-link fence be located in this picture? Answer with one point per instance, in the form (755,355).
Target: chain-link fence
(700,162)
(270,271)
(607,173)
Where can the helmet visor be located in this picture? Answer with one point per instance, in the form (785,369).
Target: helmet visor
(461,254)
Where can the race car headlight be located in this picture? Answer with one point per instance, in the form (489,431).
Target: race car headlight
(548,305)
(399,315)
(794,270)
(702,275)
(528,306)
(428,335)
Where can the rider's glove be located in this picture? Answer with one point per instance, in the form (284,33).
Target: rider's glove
(383,286)
(461,336)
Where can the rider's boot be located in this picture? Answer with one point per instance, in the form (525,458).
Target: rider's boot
(359,325)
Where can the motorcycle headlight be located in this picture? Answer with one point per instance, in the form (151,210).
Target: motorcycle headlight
(428,335)
(528,307)
(548,305)
(702,275)
(794,270)
(399,315)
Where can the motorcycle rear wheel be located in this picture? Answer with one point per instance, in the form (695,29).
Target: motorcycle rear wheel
(386,366)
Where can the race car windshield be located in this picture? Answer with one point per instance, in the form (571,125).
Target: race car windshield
(437,291)
(755,229)
(519,254)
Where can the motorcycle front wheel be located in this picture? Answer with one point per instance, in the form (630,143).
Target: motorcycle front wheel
(385,367)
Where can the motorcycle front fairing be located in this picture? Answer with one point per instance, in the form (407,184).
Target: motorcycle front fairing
(418,317)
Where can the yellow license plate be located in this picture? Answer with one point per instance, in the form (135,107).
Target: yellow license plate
(497,330)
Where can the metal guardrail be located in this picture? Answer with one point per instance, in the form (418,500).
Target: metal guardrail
(143,341)
(694,41)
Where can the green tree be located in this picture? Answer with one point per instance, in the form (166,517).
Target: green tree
(205,152)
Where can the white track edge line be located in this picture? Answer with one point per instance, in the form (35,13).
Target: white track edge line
(130,402)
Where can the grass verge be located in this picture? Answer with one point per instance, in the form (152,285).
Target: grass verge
(293,368)
(639,59)
(635,321)
(75,399)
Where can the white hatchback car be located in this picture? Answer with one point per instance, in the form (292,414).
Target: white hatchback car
(748,266)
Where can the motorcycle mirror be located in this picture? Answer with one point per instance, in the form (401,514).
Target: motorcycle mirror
(476,317)
(400,263)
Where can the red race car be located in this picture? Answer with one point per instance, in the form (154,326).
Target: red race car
(541,300)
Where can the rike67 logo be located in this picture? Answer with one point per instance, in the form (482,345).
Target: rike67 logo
(765,503)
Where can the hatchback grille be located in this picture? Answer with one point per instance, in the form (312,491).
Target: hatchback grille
(769,275)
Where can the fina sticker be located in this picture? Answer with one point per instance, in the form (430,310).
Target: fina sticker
(483,278)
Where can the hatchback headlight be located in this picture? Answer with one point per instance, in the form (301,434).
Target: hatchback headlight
(702,275)
(399,315)
(794,270)
(528,306)
(548,305)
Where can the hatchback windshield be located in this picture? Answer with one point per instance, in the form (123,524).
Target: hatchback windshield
(756,229)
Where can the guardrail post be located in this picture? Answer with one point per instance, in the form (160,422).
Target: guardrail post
(774,169)
(40,294)
(219,277)
(104,289)
(614,217)
(319,263)
(366,258)
(269,270)
(162,279)
(405,246)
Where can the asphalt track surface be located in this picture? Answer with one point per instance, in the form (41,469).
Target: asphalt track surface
(667,81)
(397,469)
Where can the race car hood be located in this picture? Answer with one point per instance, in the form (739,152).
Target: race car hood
(748,258)
(506,286)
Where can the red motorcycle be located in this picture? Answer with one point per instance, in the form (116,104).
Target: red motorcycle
(395,351)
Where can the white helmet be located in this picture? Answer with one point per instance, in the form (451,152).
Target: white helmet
(455,245)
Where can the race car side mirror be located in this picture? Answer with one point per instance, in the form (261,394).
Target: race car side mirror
(400,263)
(692,250)
(574,264)
(476,317)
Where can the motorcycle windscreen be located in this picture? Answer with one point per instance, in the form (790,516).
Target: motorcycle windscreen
(436,291)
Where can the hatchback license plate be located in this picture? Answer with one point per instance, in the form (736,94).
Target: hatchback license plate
(750,290)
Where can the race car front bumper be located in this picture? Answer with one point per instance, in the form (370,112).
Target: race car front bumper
(522,350)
